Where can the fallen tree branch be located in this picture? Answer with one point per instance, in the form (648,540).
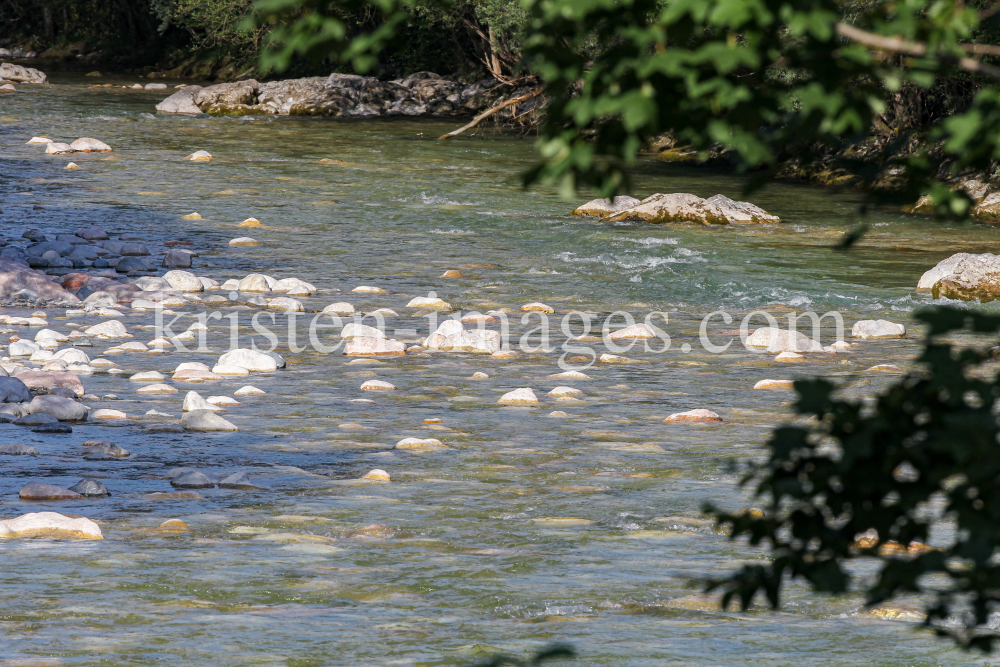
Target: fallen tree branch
(492,110)
(898,45)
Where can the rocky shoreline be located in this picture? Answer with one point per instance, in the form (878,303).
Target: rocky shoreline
(420,94)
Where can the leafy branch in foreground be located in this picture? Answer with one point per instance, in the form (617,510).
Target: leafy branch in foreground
(872,481)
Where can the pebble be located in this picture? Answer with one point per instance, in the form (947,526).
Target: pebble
(91,488)
(788,356)
(480,374)
(200,156)
(369,289)
(378,385)
(696,415)
(249,390)
(72,165)
(522,396)
(774,384)
(251,222)
(377,474)
(39,491)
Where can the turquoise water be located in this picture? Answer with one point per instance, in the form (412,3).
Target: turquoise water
(477,553)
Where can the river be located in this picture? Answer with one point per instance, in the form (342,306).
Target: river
(528,528)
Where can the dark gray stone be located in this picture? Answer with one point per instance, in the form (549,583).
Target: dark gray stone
(57,427)
(13,390)
(90,488)
(192,480)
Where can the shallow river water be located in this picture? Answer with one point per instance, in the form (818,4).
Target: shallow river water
(528,528)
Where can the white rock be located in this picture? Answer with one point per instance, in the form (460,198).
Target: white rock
(378,385)
(88,145)
(522,396)
(340,308)
(369,346)
(867,329)
(559,392)
(354,330)
(252,360)
(205,420)
(254,282)
(51,334)
(428,302)
(183,281)
(194,401)
(789,356)
(602,208)
(476,341)
(420,443)
(109,329)
(377,474)
(50,524)
(55,148)
(287,304)
(775,340)
(571,375)
(148,376)
(39,140)
(243,241)
(369,289)
(536,306)
(156,389)
(774,384)
(229,369)
(200,156)
(192,366)
(638,331)
(23,348)
(72,355)
(249,390)
(223,401)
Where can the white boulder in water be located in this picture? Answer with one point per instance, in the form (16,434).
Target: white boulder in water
(88,145)
(775,340)
(964,276)
(678,207)
(866,329)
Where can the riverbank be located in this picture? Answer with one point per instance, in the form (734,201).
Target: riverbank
(474,544)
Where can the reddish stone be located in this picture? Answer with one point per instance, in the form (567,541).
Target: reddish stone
(74,281)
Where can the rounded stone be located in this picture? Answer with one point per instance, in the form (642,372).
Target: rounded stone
(192,480)
(696,415)
(39,491)
(522,396)
(91,488)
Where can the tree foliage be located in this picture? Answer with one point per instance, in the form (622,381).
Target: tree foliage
(870,481)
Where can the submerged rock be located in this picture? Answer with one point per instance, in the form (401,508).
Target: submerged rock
(193,479)
(182,102)
(90,488)
(39,491)
(696,415)
(18,449)
(88,145)
(523,396)
(775,339)
(239,480)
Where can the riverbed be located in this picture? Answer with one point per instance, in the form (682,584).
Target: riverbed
(529,528)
